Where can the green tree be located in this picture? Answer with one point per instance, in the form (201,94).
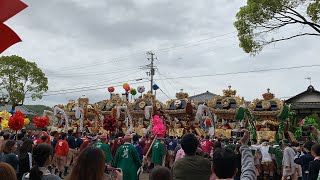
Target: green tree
(19,78)
(258,21)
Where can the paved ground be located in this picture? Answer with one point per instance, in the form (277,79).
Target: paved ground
(144,176)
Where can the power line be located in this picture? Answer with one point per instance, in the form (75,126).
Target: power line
(100,84)
(93,74)
(243,72)
(91,89)
(197,76)
(165,88)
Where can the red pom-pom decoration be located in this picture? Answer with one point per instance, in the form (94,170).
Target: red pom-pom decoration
(19,113)
(111,89)
(40,122)
(16,122)
(110,123)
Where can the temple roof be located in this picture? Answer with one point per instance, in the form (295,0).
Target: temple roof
(309,96)
(203,97)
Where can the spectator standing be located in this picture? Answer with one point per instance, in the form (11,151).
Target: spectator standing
(136,144)
(171,145)
(8,155)
(127,159)
(191,167)
(62,150)
(7,172)
(289,167)
(42,155)
(25,158)
(305,159)
(314,166)
(158,153)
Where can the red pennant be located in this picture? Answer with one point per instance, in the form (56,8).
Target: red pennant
(9,8)
(7,37)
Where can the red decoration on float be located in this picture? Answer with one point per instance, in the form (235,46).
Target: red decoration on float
(111,89)
(16,122)
(40,122)
(110,123)
(158,129)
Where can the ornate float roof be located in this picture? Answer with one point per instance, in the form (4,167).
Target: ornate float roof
(267,108)
(228,102)
(147,99)
(182,107)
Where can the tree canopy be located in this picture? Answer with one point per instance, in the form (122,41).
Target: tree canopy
(19,77)
(259,20)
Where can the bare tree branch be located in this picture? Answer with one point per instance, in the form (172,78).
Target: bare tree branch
(291,37)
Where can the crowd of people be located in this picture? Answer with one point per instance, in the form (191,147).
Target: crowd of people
(40,155)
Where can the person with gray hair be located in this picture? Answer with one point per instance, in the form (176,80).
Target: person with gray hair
(289,167)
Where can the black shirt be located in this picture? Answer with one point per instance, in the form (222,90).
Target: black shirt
(72,142)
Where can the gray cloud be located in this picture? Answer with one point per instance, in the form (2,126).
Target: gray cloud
(106,36)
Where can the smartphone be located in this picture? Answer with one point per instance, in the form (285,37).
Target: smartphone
(238,134)
(112,169)
(306,131)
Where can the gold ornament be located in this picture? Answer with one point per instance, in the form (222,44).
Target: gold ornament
(225,103)
(142,104)
(266,105)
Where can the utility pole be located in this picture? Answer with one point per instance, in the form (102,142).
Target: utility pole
(151,66)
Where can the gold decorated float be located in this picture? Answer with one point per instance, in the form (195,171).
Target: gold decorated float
(179,115)
(266,111)
(225,108)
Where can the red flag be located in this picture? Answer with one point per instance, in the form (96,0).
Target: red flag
(7,37)
(9,8)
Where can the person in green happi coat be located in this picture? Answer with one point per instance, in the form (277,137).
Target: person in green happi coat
(127,159)
(104,147)
(158,153)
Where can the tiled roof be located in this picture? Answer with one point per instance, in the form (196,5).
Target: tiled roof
(203,97)
(23,109)
(308,92)
(306,106)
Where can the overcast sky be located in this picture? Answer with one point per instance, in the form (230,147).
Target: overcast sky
(96,44)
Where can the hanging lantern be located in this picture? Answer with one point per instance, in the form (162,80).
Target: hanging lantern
(125,85)
(127,88)
(155,87)
(141,89)
(111,89)
(133,91)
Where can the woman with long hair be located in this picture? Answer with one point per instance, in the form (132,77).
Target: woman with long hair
(83,170)
(42,155)
(8,156)
(7,172)
(25,158)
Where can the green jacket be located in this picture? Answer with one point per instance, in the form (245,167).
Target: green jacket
(191,168)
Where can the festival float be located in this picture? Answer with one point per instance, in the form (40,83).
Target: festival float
(119,113)
(266,112)
(179,115)
(225,109)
